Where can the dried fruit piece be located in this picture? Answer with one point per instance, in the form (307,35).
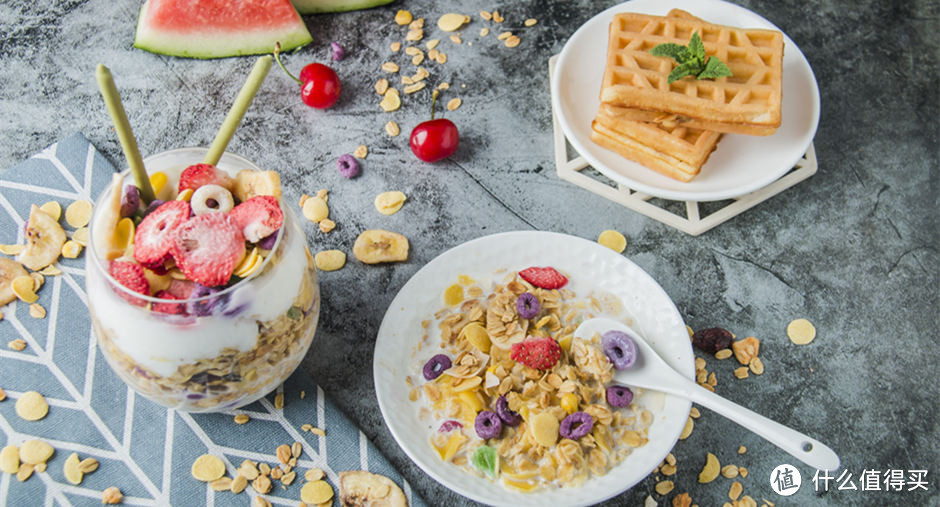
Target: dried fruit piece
(154,236)
(477,336)
(374,246)
(131,275)
(44,240)
(198,175)
(249,183)
(364,488)
(208,247)
(544,277)
(801,331)
(388,203)
(712,340)
(10,270)
(711,470)
(258,217)
(78,214)
(32,406)
(544,427)
(537,353)
(207,468)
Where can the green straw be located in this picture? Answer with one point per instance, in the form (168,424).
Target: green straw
(113,100)
(237,112)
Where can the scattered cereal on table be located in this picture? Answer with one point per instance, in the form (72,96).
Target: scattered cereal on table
(388,203)
(711,469)
(613,240)
(111,496)
(78,213)
(454,103)
(242,418)
(326,225)
(530,22)
(207,468)
(361,151)
(392,129)
(31,406)
(801,331)
(18,344)
(330,260)
(403,17)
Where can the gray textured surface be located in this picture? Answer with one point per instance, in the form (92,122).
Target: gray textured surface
(854,248)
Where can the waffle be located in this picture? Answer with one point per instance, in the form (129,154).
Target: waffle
(635,82)
(676,151)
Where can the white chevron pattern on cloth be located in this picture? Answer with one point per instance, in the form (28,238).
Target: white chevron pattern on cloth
(143,448)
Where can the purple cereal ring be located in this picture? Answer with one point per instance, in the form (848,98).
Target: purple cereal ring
(576,425)
(528,305)
(619,396)
(509,417)
(488,425)
(435,366)
(348,166)
(338,52)
(619,348)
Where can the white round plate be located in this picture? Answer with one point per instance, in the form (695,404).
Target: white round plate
(740,164)
(589,265)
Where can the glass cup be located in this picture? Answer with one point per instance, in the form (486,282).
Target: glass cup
(217,350)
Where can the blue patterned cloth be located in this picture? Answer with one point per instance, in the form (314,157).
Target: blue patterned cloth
(144,449)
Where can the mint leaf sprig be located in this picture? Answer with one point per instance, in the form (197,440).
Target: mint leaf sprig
(691,60)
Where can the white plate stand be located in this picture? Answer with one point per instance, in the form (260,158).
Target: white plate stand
(694,222)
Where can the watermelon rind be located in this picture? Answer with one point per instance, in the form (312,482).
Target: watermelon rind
(320,6)
(209,43)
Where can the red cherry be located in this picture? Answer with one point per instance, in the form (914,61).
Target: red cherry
(434,140)
(321,86)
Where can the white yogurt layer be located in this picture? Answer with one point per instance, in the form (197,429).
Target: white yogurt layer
(162,343)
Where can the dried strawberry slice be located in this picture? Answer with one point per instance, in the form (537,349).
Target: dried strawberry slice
(131,276)
(544,277)
(207,248)
(198,175)
(154,235)
(258,217)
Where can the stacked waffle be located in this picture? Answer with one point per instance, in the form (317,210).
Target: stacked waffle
(673,127)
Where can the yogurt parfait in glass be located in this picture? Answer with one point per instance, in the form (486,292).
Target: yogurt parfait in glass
(206,298)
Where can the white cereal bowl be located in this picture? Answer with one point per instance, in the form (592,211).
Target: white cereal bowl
(653,314)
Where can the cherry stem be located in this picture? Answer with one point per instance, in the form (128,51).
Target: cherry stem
(433,101)
(277,52)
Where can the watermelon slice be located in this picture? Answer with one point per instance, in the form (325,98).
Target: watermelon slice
(316,6)
(219,28)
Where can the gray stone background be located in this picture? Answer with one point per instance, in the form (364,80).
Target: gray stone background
(853,249)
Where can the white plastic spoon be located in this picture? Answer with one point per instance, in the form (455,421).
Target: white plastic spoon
(651,372)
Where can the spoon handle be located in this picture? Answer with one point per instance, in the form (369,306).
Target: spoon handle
(804,448)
